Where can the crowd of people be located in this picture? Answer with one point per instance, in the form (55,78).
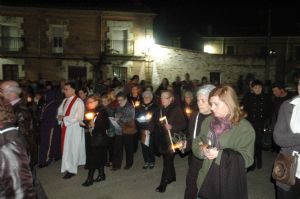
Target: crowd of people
(84,124)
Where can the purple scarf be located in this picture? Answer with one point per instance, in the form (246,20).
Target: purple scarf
(220,125)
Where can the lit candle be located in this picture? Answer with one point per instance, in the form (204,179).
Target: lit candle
(188,110)
(163,118)
(148,116)
(169,132)
(137,104)
(89,116)
(177,145)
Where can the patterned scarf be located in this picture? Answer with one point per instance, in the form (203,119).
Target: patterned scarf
(220,126)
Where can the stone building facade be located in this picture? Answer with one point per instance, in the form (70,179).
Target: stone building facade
(284,49)
(51,43)
(170,62)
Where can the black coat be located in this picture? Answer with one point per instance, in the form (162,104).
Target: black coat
(96,155)
(191,128)
(27,127)
(15,175)
(142,111)
(176,118)
(227,180)
(259,109)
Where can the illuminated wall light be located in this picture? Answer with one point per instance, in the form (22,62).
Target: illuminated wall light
(209,49)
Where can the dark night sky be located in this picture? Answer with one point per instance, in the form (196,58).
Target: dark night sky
(225,18)
(185,18)
(191,19)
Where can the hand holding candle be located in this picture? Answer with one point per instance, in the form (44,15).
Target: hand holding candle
(89,116)
(169,132)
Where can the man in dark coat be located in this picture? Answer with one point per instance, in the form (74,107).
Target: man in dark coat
(11,91)
(15,175)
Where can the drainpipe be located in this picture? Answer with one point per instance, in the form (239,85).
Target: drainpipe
(267,61)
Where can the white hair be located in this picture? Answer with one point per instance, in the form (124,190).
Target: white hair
(205,90)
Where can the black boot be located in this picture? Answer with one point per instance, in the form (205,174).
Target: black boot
(90,179)
(101,176)
(162,187)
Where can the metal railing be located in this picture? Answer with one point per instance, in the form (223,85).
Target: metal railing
(120,47)
(11,44)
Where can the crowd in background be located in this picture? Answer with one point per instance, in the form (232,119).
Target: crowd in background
(146,116)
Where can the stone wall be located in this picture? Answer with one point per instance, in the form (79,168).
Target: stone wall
(170,62)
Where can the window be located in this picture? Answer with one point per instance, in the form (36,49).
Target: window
(230,50)
(10,72)
(9,38)
(120,72)
(58,39)
(297,53)
(120,41)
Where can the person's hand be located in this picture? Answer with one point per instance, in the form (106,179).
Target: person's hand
(81,123)
(184,143)
(210,153)
(168,126)
(60,118)
(92,123)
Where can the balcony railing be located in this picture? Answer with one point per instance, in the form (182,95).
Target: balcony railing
(11,44)
(119,47)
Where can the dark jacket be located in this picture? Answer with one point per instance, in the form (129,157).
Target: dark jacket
(15,175)
(24,120)
(192,127)
(258,107)
(227,180)
(175,118)
(143,110)
(259,110)
(124,115)
(101,122)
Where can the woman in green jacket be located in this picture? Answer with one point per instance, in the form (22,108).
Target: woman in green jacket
(226,130)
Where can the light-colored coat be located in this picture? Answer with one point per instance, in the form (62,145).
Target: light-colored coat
(74,144)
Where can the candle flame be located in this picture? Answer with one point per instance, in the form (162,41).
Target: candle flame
(188,110)
(148,116)
(89,116)
(137,103)
(162,118)
(177,145)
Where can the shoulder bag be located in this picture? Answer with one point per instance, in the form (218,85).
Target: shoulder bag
(285,167)
(129,128)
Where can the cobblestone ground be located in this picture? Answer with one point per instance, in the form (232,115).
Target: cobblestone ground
(138,183)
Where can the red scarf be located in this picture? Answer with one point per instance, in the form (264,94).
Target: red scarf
(64,128)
